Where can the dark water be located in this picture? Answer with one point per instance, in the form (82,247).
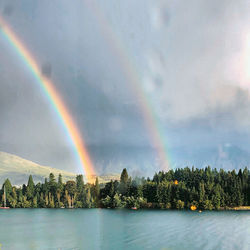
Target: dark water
(123,229)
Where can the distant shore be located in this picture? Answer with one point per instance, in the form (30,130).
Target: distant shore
(240,208)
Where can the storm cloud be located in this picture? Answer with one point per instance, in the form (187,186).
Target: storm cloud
(191,59)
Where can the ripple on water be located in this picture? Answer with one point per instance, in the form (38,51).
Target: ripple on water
(124,229)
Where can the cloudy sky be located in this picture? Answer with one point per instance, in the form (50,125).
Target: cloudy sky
(187,62)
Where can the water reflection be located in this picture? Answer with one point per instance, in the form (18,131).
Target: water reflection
(123,229)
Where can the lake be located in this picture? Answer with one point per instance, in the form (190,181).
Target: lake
(123,229)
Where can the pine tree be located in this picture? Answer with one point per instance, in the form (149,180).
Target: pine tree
(79,183)
(124,182)
(8,186)
(30,188)
(124,176)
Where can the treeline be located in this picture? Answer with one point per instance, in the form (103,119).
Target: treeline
(176,189)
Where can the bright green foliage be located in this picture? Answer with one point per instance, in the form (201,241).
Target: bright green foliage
(208,205)
(107,201)
(117,202)
(180,204)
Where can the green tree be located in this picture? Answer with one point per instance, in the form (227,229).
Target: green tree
(117,202)
(123,187)
(208,205)
(216,198)
(79,183)
(8,186)
(34,202)
(52,184)
(87,202)
(30,188)
(60,182)
(8,190)
(70,187)
(124,176)
(107,202)
(97,191)
(180,204)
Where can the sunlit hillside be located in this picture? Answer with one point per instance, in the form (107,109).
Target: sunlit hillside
(18,170)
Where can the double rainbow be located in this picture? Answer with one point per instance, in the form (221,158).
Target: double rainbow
(54,98)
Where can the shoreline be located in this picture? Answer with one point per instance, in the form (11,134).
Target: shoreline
(241,208)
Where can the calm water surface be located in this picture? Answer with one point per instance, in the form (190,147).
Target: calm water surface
(123,229)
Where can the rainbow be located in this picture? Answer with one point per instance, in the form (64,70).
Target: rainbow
(55,100)
(152,123)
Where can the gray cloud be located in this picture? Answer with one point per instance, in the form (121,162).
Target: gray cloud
(199,70)
(188,55)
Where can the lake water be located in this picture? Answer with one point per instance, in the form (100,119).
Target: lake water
(123,229)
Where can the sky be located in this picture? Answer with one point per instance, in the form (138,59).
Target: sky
(189,61)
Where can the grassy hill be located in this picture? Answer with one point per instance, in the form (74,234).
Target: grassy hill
(18,170)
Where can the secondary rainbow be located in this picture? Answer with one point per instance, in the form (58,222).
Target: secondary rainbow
(54,98)
(152,123)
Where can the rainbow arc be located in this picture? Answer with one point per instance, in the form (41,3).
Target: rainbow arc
(118,48)
(55,100)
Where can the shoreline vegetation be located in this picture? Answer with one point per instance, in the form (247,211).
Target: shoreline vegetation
(187,188)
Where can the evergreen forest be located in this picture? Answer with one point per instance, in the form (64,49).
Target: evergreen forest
(187,188)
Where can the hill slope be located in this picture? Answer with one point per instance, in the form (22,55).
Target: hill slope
(18,170)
